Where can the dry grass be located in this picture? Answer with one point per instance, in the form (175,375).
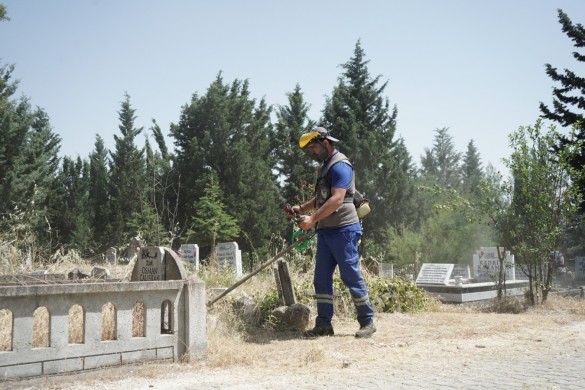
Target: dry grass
(5,330)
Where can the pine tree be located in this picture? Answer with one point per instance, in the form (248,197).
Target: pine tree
(127,176)
(225,131)
(292,166)
(569,101)
(472,171)
(98,198)
(72,219)
(441,163)
(166,185)
(32,179)
(211,223)
(569,96)
(360,116)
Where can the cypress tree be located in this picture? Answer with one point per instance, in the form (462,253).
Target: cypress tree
(360,116)
(471,170)
(441,163)
(127,176)
(225,131)
(293,167)
(98,198)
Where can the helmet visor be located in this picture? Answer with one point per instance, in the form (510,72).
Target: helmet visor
(307,138)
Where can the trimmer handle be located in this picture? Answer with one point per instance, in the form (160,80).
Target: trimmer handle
(294,215)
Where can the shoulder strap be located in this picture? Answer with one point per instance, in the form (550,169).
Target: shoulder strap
(337,157)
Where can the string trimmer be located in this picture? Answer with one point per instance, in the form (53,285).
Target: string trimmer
(300,240)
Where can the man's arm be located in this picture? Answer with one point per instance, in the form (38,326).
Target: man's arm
(333,203)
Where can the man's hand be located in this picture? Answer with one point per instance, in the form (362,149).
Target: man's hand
(307,222)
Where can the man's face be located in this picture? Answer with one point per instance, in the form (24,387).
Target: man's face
(318,150)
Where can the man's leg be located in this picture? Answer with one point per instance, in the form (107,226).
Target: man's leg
(323,282)
(346,252)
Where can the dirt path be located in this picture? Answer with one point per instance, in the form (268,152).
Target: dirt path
(450,349)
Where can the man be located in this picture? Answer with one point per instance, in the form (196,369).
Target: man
(338,233)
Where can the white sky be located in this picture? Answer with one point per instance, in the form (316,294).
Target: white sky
(476,67)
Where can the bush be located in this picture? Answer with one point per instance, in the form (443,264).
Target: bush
(397,295)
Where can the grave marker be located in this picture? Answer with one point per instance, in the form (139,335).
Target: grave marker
(434,273)
(229,256)
(190,254)
(150,264)
(111,256)
(487,265)
(579,268)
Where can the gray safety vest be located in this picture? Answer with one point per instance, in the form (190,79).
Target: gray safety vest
(345,214)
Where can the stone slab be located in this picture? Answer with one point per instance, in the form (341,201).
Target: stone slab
(434,273)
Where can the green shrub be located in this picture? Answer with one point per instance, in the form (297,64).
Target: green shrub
(397,295)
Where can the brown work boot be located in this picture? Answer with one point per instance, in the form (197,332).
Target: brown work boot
(366,331)
(319,331)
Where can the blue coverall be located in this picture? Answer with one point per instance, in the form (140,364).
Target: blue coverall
(338,246)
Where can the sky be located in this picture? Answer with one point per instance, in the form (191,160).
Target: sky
(475,67)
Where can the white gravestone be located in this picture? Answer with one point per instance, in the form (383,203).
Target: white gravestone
(434,273)
(190,254)
(229,256)
(487,264)
(151,264)
(111,256)
(579,268)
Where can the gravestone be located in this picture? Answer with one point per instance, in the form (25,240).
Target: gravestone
(111,256)
(230,256)
(486,263)
(134,247)
(434,273)
(150,264)
(100,273)
(284,283)
(190,254)
(580,268)
(461,270)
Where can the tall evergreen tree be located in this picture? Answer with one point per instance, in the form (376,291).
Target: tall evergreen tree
(212,223)
(32,178)
(127,176)
(72,219)
(471,170)
(98,197)
(293,167)
(441,163)
(166,184)
(569,101)
(226,132)
(360,116)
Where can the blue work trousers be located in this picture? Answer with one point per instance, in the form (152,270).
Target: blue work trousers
(339,248)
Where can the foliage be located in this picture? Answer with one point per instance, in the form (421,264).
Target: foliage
(211,222)
(227,132)
(268,302)
(569,102)
(397,295)
(361,118)
(126,177)
(291,165)
(442,161)
(543,203)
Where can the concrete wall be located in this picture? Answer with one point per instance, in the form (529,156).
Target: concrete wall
(181,301)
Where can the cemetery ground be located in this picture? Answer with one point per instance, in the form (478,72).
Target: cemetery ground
(446,347)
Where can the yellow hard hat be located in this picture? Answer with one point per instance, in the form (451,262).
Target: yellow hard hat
(314,135)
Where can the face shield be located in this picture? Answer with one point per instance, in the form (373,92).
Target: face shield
(312,145)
